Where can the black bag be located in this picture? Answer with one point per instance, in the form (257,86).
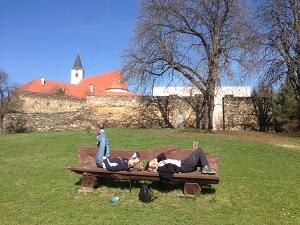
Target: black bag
(146,194)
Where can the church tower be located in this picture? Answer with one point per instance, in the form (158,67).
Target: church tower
(77,72)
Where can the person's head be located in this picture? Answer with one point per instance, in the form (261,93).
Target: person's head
(133,161)
(152,164)
(136,163)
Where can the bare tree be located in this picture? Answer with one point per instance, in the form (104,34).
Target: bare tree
(279,39)
(8,100)
(188,42)
(4,90)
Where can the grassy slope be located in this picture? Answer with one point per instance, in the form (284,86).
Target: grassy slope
(259,182)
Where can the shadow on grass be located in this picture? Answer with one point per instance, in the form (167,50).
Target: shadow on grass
(136,184)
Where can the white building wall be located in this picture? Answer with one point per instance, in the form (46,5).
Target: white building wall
(116,90)
(236,91)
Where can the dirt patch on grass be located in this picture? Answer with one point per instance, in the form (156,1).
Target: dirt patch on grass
(283,140)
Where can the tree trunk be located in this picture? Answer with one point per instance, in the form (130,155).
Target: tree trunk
(210,89)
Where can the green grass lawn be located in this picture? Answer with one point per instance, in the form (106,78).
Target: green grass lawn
(260,182)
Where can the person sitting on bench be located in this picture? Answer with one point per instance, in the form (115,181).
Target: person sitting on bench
(167,167)
(103,158)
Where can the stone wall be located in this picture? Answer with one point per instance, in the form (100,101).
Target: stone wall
(37,111)
(246,113)
(49,103)
(50,112)
(139,111)
(47,121)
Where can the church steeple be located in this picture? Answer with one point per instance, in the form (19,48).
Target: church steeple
(77,72)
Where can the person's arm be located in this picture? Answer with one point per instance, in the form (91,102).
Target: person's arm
(161,157)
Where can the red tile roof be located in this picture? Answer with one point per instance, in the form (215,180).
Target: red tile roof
(110,83)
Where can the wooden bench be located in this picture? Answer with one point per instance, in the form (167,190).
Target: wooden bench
(192,181)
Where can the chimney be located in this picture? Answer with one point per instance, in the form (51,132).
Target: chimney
(42,81)
(91,88)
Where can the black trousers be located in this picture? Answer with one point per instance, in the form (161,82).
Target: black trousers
(194,160)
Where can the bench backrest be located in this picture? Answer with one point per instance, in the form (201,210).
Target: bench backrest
(87,154)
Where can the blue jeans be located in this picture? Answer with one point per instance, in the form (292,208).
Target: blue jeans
(103,148)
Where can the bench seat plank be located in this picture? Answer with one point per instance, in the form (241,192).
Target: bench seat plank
(195,176)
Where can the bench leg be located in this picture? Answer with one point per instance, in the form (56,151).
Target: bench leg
(88,181)
(192,188)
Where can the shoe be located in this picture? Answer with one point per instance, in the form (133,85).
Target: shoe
(136,155)
(207,170)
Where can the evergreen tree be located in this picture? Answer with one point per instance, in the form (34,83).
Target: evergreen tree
(263,106)
(286,110)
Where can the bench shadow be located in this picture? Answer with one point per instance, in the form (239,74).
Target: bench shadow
(137,184)
(78,183)
(168,187)
(207,189)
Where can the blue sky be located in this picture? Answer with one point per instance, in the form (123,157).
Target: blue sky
(42,37)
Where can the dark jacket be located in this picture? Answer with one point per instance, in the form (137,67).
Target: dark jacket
(115,164)
(118,163)
(166,171)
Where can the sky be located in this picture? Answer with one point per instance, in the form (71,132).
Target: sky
(42,37)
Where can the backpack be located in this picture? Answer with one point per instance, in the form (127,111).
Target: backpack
(146,194)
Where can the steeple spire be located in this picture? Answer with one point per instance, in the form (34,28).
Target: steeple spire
(77,71)
(77,64)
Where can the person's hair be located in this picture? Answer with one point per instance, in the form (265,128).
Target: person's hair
(147,167)
(139,165)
